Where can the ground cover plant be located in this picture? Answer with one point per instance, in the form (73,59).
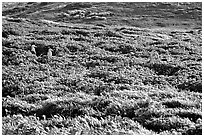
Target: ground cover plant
(116,68)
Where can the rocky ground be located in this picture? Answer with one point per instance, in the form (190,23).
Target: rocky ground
(117,68)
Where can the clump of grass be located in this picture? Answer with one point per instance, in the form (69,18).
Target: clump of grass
(10,31)
(33,98)
(68,109)
(192,114)
(191,85)
(175,103)
(167,123)
(13,106)
(20,125)
(164,69)
(194,130)
(7,42)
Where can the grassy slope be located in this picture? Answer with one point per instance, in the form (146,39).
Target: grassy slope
(100,80)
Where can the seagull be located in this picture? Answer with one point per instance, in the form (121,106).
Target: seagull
(49,54)
(33,49)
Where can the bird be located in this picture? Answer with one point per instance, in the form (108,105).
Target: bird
(49,53)
(33,49)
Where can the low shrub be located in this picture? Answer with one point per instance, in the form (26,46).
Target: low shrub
(167,123)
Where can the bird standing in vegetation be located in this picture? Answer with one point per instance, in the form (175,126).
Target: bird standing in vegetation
(33,49)
(49,54)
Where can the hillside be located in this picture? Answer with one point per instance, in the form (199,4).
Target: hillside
(117,68)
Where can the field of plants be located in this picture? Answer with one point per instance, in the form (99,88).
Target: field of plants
(116,69)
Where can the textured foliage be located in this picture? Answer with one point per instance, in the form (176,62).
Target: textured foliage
(112,70)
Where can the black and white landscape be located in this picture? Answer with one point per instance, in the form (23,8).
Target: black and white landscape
(101,68)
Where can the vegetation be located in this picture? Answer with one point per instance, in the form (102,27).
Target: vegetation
(103,78)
